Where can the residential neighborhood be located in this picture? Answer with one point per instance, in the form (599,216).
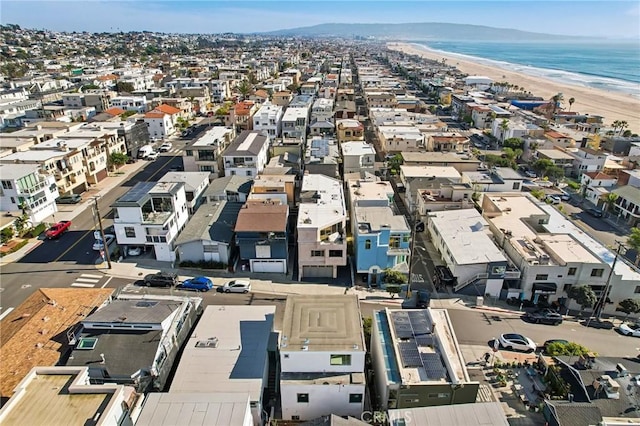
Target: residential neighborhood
(370,207)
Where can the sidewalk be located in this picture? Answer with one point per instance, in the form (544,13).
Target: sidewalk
(69,212)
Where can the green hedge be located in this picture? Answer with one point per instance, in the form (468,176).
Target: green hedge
(33,233)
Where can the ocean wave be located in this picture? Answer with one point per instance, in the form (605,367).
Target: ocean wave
(560,76)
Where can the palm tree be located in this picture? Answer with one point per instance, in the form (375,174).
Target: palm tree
(504,126)
(557,100)
(623,125)
(610,200)
(615,125)
(571,101)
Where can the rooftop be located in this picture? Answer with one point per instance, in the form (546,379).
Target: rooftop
(379,217)
(194,409)
(429,171)
(370,191)
(227,352)
(321,201)
(248,142)
(17,171)
(262,216)
(191,180)
(322,323)
(357,148)
(213,137)
(466,235)
(554,154)
(478,414)
(143,191)
(62,396)
(30,333)
(213,221)
(436,157)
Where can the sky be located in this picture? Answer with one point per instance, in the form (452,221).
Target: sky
(611,19)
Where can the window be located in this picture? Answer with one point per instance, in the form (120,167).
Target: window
(130,231)
(303,398)
(189,153)
(335,253)
(597,272)
(542,277)
(572,271)
(317,253)
(637,290)
(340,360)
(6,184)
(355,398)
(516,185)
(367,244)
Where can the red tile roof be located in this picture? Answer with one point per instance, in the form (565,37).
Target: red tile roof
(167,109)
(599,175)
(154,114)
(244,107)
(108,77)
(115,111)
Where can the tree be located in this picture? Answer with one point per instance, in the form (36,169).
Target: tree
(393,289)
(542,165)
(555,172)
(634,242)
(6,234)
(571,102)
(394,277)
(557,101)
(126,114)
(513,143)
(583,295)
(629,306)
(504,126)
(118,159)
(566,349)
(610,200)
(244,88)
(123,86)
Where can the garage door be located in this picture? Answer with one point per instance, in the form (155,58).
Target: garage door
(317,271)
(268,266)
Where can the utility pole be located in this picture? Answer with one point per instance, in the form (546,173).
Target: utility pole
(105,248)
(603,298)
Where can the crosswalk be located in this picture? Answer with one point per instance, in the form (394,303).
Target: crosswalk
(87,280)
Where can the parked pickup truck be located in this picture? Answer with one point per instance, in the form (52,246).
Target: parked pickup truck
(58,229)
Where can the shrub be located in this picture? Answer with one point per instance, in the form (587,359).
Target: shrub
(6,234)
(34,232)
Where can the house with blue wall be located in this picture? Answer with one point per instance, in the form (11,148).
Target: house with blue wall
(262,236)
(382,240)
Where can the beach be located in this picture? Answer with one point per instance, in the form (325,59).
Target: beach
(610,105)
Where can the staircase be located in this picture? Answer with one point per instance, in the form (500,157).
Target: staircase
(272,379)
(471,280)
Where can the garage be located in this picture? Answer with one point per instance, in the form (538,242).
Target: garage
(269,265)
(317,271)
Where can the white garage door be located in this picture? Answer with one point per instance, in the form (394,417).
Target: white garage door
(268,266)
(317,271)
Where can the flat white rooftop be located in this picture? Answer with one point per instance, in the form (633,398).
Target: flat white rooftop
(329,204)
(215,137)
(429,171)
(357,148)
(465,234)
(237,363)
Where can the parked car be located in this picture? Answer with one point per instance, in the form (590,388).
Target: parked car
(152,156)
(565,196)
(630,329)
(443,276)
(596,323)
(518,342)
(57,229)
(595,212)
(161,279)
(165,147)
(553,199)
(530,174)
(544,316)
(197,284)
(424,299)
(420,226)
(134,251)
(69,199)
(237,286)
(99,245)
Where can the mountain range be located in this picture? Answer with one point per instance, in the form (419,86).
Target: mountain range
(418,31)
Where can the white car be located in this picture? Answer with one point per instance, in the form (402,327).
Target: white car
(98,245)
(165,147)
(134,251)
(553,199)
(237,286)
(152,156)
(630,329)
(518,342)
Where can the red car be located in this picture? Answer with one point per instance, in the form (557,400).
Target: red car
(58,229)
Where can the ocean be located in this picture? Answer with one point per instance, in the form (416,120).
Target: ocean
(606,65)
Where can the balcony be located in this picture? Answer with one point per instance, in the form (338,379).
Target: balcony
(512,275)
(155,218)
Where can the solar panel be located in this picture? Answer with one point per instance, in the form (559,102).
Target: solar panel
(409,354)
(136,193)
(433,366)
(425,340)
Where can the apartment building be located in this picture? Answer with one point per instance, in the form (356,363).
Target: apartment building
(151,214)
(417,360)
(552,253)
(138,104)
(322,156)
(205,153)
(294,123)
(348,130)
(269,119)
(247,155)
(322,357)
(195,184)
(28,186)
(358,156)
(321,227)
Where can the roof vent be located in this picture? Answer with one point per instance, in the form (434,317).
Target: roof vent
(211,342)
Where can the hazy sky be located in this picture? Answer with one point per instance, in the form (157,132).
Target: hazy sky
(613,19)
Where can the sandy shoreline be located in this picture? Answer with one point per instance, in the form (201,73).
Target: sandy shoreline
(611,105)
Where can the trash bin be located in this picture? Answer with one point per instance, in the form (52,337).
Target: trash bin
(479,301)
